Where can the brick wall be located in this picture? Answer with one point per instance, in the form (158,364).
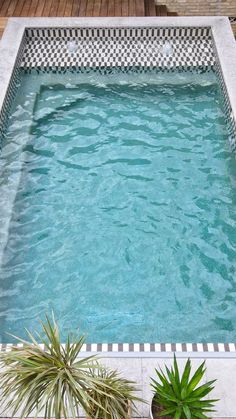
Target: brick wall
(201,7)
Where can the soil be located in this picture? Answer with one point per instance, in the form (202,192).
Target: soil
(156,410)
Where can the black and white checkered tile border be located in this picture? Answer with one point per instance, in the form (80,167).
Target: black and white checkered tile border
(231,123)
(118,47)
(145,347)
(11,90)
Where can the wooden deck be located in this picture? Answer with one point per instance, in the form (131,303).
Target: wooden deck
(70,8)
(67,8)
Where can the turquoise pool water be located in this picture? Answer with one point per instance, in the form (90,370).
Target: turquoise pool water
(123,216)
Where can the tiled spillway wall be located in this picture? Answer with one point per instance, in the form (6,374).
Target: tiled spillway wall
(119,47)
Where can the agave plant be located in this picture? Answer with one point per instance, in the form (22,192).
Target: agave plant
(180,396)
(53,381)
(118,402)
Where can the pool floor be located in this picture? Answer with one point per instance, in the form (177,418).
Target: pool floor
(124,219)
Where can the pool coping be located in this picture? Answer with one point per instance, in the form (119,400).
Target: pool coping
(226,51)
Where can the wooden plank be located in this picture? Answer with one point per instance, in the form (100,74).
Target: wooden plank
(96,8)
(68,8)
(19,7)
(104,8)
(40,8)
(25,9)
(150,9)
(76,8)
(4,7)
(118,8)
(89,9)
(11,8)
(139,8)
(124,8)
(111,8)
(131,7)
(1,5)
(54,7)
(61,7)
(33,8)
(47,7)
(83,7)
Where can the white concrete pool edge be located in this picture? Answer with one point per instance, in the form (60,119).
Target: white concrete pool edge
(226,50)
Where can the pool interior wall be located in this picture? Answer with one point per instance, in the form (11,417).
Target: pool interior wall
(60,68)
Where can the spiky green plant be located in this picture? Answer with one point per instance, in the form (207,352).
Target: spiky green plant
(118,402)
(179,396)
(53,381)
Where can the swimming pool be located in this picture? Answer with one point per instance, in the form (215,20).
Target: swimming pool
(124,213)
(123,209)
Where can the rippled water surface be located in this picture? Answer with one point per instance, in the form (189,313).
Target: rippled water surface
(123,209)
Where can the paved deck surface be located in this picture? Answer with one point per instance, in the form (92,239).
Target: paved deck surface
(222,369)
(141,369)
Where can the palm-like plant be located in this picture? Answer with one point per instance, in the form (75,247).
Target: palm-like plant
(179,396)
(118,402)
(53,381)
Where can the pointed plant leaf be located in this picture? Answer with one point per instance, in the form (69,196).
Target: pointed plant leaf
(187,411)
(196,377)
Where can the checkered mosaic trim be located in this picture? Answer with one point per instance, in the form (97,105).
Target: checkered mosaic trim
(11,91)
(115,70)
(144,347)
(230,121)
(118,47)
